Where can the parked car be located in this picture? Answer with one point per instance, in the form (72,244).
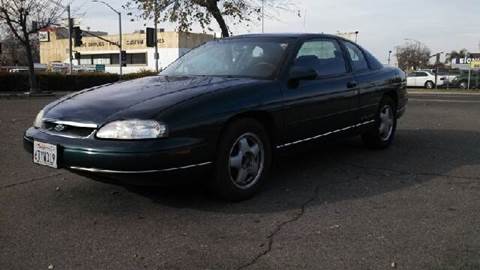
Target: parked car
(229,106)
(424,78)
(461,81)
(18,70)
(449,77)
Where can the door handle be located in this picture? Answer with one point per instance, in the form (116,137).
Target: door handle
(352,84)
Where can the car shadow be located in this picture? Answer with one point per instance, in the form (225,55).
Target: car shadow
(330,172)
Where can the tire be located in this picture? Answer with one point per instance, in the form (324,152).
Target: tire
(382,134)
(243,161)
(463,85)
(429,85)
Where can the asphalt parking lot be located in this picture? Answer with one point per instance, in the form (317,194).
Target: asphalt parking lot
(333,206)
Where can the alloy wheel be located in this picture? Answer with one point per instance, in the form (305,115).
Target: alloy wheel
(386,122)
(246,160)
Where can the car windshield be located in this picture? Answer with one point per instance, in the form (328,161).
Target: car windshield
(232,58)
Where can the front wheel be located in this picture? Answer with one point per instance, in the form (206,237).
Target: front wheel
(381,135)
(243,161)
(463,85)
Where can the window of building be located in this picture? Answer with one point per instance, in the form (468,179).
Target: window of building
(101,59)
(85,60)
(132,59)
(112,59)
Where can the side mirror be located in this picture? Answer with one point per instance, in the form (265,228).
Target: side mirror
(299,73)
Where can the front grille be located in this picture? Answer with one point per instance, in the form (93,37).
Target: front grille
(67,130)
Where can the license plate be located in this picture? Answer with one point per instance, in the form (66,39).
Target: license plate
(45,154)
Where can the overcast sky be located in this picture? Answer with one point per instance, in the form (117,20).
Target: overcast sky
(443,25)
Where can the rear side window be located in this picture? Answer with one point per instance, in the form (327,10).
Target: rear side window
(325,56)
(359,63)
(372,61)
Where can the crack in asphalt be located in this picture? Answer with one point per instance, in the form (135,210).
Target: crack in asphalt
(31,180)
(303,206)
(278,228)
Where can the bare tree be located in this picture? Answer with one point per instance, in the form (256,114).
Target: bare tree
(24,18)
(188,12)
(13,53)
(412,56)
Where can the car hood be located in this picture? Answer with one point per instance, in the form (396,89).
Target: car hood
(116,101)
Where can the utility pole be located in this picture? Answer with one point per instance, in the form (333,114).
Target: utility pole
(155,10)
(389,57)
(70,26)
(437,62)
(356,36)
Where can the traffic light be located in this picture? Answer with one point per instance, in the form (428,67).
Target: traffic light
(124,58)
(77,55)
(77,36)
(150,37)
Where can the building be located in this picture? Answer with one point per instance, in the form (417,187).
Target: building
(97,52)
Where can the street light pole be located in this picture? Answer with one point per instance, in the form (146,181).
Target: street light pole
(356,36)
(70,27)
(155,10)
(389,57)
(263,16)
(120,43)
(119,33)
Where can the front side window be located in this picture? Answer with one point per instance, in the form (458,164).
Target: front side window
(235,58)
(325,56)
(356,56)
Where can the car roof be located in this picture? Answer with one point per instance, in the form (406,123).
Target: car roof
(285,35)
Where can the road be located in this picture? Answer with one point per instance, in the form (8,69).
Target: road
(332,206)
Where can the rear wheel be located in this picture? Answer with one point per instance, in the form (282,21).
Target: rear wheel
(429,85)
(381,135)
(243,161)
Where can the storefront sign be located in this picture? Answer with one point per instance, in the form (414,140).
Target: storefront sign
(128,42)
(470,62)
(475,64)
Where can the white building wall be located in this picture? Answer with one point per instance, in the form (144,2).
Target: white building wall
(166,57)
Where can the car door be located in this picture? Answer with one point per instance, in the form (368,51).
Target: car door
(421,79)
(412,79)
(325,104)
(371,81)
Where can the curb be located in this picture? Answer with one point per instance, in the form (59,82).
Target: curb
(415,92)
(25,95)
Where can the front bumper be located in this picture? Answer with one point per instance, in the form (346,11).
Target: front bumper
(123,157)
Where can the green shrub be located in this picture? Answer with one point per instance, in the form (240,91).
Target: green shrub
(140,74)
(62,82)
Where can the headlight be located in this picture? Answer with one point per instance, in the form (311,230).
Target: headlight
(133,130)
(38,122)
